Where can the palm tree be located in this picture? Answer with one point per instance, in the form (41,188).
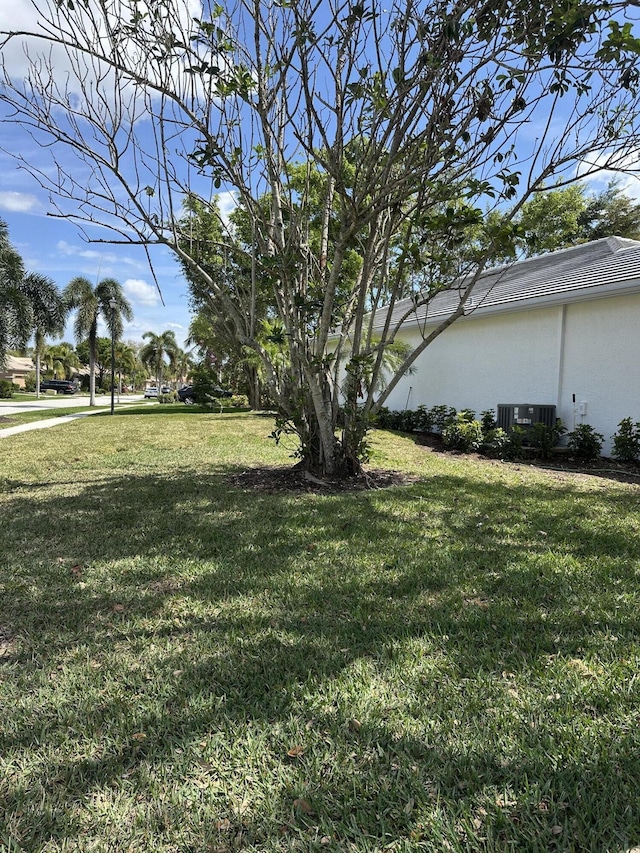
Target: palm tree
(48,313)
(183,365)
(126,361)
(30,304)
(61,359)
(160,351)
(14,307)
(91,303)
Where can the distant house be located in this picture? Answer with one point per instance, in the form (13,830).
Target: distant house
(561,329)
(16,369)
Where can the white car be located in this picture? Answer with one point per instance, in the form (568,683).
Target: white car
(151,392)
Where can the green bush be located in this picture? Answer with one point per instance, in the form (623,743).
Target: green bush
(488,421)
(585,443)
(6,389)
(495,443)
(462,433)
(30,382)
(171,397)
(544,438)
(441,416)
(515,448)
(626,441)
(238,401)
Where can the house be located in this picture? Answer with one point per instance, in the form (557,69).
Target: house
(561,329)
(16,369)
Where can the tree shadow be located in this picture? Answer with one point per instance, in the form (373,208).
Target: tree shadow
(461,599)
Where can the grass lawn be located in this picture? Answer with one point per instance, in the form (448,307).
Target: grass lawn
(189,665)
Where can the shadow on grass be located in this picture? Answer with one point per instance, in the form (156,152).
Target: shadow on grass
(423,612)
(176,409)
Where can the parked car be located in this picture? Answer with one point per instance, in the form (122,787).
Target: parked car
(165,389)
(185,395)
(60,386)
(151,392)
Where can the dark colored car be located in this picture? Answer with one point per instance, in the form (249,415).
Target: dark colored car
(60,386)
(185,395)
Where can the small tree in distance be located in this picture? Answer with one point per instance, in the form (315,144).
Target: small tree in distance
(403,120)
(89,304)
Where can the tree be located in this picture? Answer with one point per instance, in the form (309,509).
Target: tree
(15,317)
(90,304)
(159,352)
(226,255)
(183,364)
(48,313)
(610,213)
(60,360)
(102,357)
(557,218)
(30,303)
(552,219)
(404,118)
(126,362)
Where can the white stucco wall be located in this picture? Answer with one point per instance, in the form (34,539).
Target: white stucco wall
(543,356)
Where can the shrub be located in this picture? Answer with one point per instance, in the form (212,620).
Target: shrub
(171,397)
(424,419)
(515,447)
(585,443)
(626,441)
(384,418)
(495,443)
(462,433)
(30,382)
(406,420)
(441,415)
(544,438)
(6,389)
(488,421)
(238,401)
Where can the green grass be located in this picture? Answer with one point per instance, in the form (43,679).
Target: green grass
(186,665)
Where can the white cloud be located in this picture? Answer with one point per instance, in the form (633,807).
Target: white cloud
(89,254)
(18,202)
(176,326)
(627,177)
(228,201)
(141,292)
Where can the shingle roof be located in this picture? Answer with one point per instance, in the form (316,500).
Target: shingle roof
(591,267)
(19,364)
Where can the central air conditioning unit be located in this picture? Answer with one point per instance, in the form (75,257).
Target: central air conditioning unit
(525,415)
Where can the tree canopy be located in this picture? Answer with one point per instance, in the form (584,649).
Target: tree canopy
(363,143)
(556,218)
(30,303)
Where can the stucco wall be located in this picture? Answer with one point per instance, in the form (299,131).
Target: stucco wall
(545,355)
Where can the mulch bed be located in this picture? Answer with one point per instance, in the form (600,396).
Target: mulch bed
(293,479)
(560,462)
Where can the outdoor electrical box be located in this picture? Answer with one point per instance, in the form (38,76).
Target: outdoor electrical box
(525,415)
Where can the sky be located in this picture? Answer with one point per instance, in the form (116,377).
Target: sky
(56,247)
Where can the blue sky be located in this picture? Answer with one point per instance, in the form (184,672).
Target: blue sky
(57,249)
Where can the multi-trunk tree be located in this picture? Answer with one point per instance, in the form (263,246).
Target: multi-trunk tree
(405,121)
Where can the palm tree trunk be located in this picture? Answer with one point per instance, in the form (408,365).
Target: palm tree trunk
(92,376)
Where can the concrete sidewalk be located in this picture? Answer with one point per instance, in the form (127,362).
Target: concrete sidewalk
(49,422)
